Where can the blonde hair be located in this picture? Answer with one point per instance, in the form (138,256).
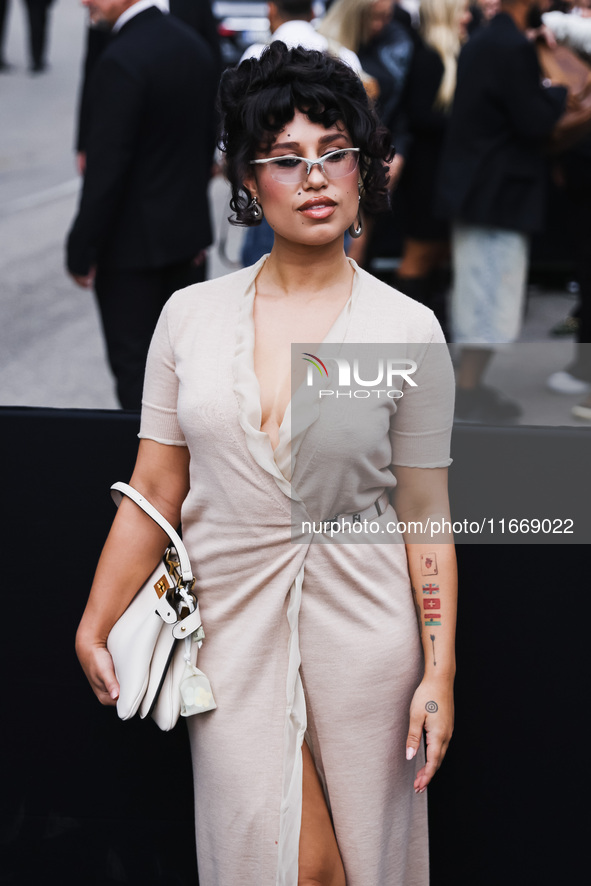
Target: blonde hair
(439,27)
(346,22)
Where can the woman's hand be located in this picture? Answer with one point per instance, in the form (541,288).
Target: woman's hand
(431,709)
(97,664)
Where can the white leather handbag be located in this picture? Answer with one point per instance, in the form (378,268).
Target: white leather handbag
(155,642)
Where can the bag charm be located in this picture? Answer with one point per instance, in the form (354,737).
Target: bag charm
(196,694)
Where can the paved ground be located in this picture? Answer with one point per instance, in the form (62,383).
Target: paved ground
(50,340)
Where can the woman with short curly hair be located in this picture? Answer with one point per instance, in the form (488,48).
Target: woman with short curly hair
(312,769)
(256,109)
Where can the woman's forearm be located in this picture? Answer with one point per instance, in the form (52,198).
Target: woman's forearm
(421,503)
(135,543)
(131,552)
(433,576)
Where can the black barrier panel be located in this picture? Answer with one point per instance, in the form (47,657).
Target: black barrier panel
(86,799)
(521,485)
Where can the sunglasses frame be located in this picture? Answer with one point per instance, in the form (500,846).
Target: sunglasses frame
(309,164)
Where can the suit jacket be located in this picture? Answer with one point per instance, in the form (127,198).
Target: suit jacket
(493,164)
(197,14)
(150,147)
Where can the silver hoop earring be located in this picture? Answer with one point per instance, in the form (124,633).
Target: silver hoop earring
(356,232)
(256,210)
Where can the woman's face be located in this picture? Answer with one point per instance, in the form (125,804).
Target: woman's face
(489,8)
(378,16)
(318,210)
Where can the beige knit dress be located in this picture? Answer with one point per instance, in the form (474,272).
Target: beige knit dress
(303,639)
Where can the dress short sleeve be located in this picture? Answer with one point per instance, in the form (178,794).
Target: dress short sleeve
(159,421)
(420,431)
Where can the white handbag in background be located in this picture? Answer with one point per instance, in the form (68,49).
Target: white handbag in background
(155,642)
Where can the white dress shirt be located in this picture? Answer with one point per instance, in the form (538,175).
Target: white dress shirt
(136,8)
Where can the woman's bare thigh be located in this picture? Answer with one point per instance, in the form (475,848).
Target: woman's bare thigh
(319,860)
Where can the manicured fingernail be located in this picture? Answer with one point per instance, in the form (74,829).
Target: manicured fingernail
(410,752)
(114,694)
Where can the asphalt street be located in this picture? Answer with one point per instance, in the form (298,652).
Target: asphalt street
(50,337)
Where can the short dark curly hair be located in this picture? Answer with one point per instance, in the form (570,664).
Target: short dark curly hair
(260,96)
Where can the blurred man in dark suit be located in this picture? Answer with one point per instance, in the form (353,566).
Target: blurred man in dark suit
(197,14)
(492,183)
(143,222)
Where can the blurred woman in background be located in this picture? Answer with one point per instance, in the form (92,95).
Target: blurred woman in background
(381,34)
(427,104)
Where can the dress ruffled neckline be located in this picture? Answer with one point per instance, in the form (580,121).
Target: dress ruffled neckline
(302,410)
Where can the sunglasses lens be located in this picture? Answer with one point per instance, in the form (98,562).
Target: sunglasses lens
(288,169)
(293,170)
(340,163)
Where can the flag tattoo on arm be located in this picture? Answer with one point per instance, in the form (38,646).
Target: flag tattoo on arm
(431,606)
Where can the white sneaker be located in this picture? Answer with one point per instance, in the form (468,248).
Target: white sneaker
(564,383)
(582,412)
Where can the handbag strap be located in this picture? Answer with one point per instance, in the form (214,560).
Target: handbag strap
(120,489)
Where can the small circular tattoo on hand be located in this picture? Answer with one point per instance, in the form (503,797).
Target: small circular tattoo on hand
(431,707)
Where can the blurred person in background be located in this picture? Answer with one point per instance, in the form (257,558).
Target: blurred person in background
(571,27)
(568,25)
(291,22)
(143,223)
(195,13)
(381,34)
(492,188)
(482,12)
(574,170)
(38,21)
(489,8)
(427,104)
(4,66)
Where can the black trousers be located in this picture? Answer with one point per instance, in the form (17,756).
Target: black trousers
(130,303)
(38,13)
(579,193)
(3,11)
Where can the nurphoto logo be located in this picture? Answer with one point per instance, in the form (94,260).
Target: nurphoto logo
(386,372)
